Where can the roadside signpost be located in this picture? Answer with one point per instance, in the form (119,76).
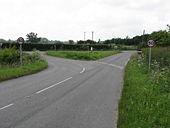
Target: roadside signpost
(55,47)
(115,47)
(1,45)
(150,43)
(91,49)
(20,41)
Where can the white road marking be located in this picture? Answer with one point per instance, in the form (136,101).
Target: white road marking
(53,85)
(7,106)
(83,70)
(110,65)
(127,62)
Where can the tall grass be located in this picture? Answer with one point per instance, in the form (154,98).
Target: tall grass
(159,55)
(9,56)
(145,101)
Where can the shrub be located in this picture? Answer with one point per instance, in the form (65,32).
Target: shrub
(9,56)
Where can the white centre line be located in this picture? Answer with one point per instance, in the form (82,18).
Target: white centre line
(7,106)
(116,66)
(83,70)
(53,85)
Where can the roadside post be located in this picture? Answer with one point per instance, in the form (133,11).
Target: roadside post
(88,45)
(55,47)
(115,47)
(151,44)
(20,41)
(1,45)
(91,48)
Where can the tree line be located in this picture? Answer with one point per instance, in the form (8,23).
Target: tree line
(162,38)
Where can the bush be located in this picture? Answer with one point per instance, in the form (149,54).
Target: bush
(35,57)
(9,56)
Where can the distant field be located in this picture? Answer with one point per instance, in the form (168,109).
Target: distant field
(82,55)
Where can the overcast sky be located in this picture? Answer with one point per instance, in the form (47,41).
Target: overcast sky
(69,19)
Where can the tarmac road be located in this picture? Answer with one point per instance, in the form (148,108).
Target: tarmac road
(68,94)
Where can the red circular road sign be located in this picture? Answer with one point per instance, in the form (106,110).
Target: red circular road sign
(20,40)
(151,43)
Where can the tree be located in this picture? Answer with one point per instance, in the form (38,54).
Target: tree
(161,37)
(168,27)
(44,40)
(90,42)
(80,42)
(71,41)
(32,37)
(2,41)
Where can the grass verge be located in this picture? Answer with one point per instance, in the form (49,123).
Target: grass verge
(145,101)
(9,73)
(82,55)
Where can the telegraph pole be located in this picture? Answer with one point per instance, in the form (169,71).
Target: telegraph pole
(1,45)
(92,35)
(84,36)
(143,35)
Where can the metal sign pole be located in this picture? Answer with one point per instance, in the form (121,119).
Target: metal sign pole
(55,47)
(150,43)
(0,46)
(150,52)
(20,41)
(21,55)
(89,50)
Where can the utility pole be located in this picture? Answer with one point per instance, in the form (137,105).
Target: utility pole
(1,45)
(84,36)
(92,35)
(143,35)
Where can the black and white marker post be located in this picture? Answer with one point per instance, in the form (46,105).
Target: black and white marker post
(20,41)
(150,43)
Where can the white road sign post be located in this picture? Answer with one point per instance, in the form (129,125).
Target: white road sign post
(1,45)
(20,41)
(150,43)
(91,49)
(88,45)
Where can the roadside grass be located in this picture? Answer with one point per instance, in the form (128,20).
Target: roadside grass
(82,55)
(14,72)
(159,55)
(10,63)
(145,101)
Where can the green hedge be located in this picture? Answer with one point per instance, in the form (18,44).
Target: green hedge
(47,46)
